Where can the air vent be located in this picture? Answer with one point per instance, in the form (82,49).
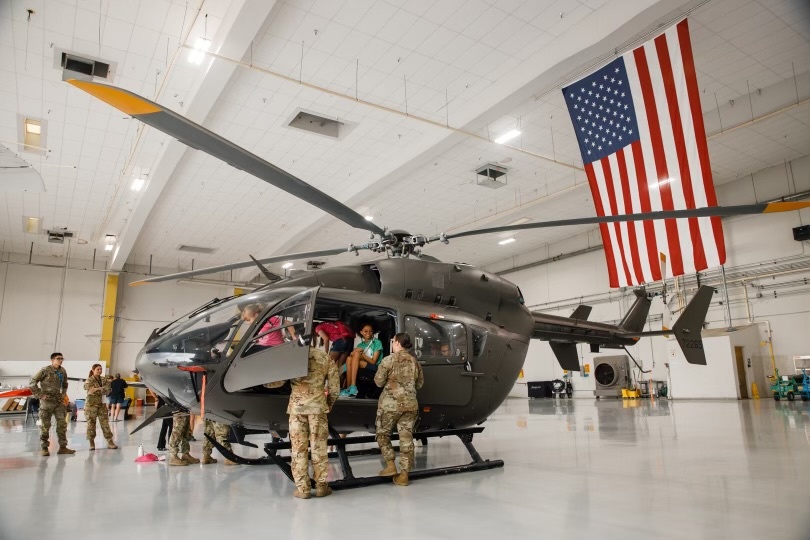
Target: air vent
(90,67)
(197,249)
(320,125)
(491,176)
(58,235)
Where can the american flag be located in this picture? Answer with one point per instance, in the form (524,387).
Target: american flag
(640,130)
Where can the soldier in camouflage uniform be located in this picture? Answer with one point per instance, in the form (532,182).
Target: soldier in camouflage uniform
(97,387)
(400,376)
(308,424)
(220,432)
(49,385)
(178,442)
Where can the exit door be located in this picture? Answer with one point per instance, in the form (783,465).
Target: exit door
(742,380)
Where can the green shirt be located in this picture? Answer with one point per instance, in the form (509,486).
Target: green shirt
(370,347)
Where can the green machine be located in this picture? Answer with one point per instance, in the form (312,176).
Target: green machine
(783,387)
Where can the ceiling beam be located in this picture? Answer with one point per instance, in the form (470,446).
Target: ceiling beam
(241,26)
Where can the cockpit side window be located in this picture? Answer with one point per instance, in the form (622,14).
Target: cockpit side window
(283,324)
(437,341)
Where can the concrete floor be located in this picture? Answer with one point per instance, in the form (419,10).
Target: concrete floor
(574,469)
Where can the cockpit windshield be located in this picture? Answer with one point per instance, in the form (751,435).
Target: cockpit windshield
(207,336)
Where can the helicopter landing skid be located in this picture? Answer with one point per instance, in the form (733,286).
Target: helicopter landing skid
(349,480)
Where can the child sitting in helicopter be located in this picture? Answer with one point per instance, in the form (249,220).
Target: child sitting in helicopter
(366,355)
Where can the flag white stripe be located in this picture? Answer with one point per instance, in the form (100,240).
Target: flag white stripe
(695,170)
(613,164)
(641,236)
(670,155)
(647,153)
(599,174)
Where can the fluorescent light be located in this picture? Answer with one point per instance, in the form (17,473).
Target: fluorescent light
(506,241)
(109,240)
(369,218)
(508,136)
(31,225)
(32,126)
(109,247)
(287,265)
(197,54)
(137,184)
(665,181)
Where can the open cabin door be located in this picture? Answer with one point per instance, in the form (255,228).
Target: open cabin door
(276,346)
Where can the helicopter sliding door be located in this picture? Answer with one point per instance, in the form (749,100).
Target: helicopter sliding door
(441,347)
(274,348)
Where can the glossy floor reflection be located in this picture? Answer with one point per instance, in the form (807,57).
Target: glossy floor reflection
(574,469)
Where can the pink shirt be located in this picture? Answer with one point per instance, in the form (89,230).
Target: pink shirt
(335,330)
(273,338)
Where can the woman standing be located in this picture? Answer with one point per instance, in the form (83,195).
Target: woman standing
(94,408)
(400,376)
(117,387)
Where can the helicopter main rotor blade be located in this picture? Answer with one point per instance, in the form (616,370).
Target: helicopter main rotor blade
(245,264)
(196,136)
(745,209)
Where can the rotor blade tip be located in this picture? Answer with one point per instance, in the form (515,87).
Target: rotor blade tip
(785,206)
(122,100)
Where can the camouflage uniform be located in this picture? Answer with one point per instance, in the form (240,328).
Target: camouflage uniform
(95,408)
(49,385)
(401,376)
(307,409)
(218,431)
(181,433)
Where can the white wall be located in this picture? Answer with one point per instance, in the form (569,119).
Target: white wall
(31,327)
(749,239)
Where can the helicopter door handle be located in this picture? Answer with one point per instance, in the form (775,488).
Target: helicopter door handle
(471,374)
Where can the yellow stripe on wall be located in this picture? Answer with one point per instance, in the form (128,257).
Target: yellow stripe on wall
(108,319)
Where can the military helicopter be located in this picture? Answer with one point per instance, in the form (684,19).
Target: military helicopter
(210,360)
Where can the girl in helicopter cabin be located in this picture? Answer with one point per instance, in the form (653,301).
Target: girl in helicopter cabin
(94,408)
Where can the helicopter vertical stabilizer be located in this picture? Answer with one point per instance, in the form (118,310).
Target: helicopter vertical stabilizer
(687,329)
(566,354)
(582,312)
(636,318)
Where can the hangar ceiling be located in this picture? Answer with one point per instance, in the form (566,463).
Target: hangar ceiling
(421,88)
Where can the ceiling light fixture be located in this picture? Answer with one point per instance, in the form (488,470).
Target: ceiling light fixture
(33,126)
(369,218)
(197,54)
(137,184)
(287,265)
(31,225)
(109,247)
(109,242)
(506,241)
(508,136)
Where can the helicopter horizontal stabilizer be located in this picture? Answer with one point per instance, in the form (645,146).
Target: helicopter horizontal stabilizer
(688,327)
(582,312)
(566,354)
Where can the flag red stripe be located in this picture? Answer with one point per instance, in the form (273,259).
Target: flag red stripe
(675,257)
(597,201)
(662,49)
(644,198)
(700,132)
(614,211)
(628,209)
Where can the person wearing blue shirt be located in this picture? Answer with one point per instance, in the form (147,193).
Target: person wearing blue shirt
(366,355)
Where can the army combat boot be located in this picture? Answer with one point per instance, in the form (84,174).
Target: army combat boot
(92,445)
(176,461)
(389,470)
(298,494)
(229,462)
(191,460)
(65,450)
(401,479)
(44,452)
(207,459)
(323,490)
(111,445)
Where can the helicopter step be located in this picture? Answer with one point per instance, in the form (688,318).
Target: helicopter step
(349,480)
